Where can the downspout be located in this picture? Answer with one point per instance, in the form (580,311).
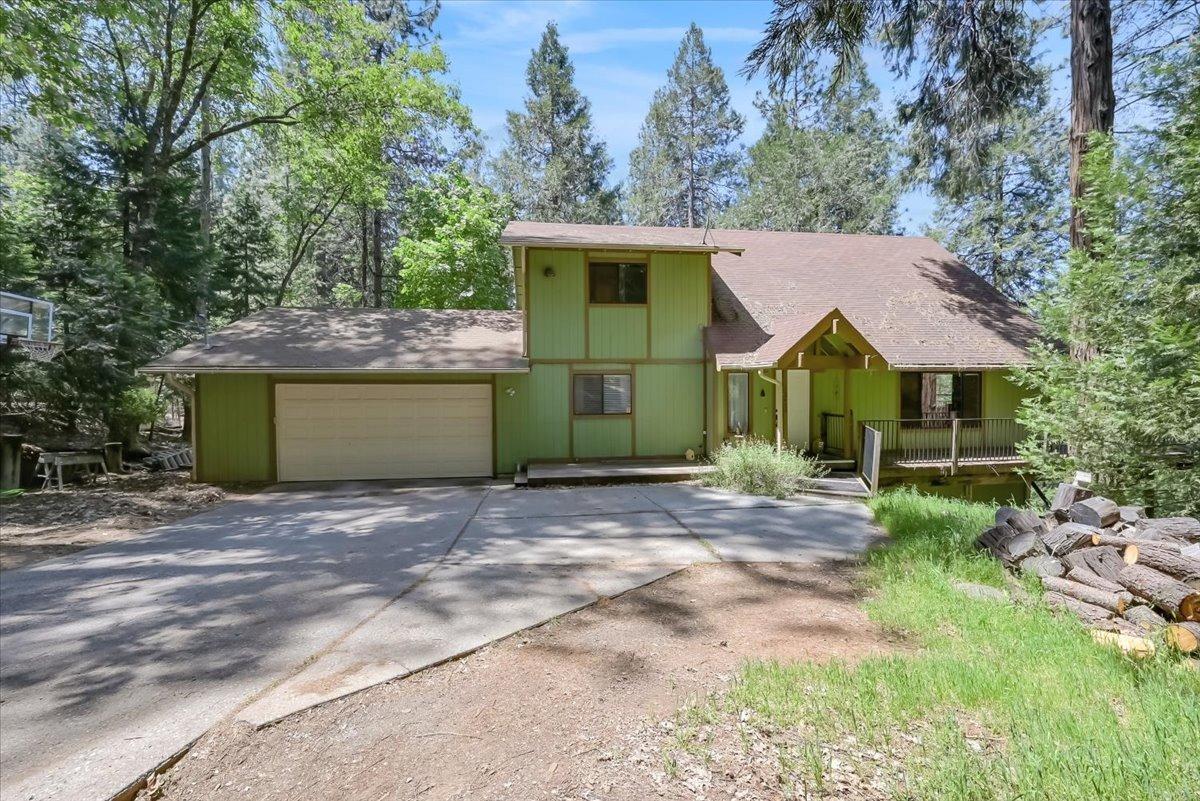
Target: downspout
(188,392)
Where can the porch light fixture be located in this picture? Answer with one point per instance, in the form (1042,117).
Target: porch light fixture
(549,272)
(511,392)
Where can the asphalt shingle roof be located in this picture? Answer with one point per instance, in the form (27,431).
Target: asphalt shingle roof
(916,303)
(352,340)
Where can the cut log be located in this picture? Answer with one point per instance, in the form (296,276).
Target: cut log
(1095,511)
(1177,599)
(1180,528)
(982,592)
(1132,514)
(1092,616)
(1191,550)
(1129,537)
(1173,563)
(1042,565)
(1184,637)
(1066,537)
(1009,545)
(1130,644)
(1025,520)
(1127,549)
(1145,618)
(1085,576)
(1103,561)
(1065,496)
(993,537)
(1116,602)
(1003,513)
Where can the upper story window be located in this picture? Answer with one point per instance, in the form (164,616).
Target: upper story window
(940,396)
(617,282)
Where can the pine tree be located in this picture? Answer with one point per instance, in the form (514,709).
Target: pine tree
(1128,412)
(244,278)
(1007,222)
(825,162)
(552,167)
(684,168)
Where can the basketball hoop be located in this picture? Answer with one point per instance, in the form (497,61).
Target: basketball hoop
(37,350)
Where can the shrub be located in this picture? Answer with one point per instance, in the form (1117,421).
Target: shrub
(136,407)
(756,468)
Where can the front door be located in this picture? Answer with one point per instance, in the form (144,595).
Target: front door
(798,408)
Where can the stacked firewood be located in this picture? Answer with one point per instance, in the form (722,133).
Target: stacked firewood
(1123,574)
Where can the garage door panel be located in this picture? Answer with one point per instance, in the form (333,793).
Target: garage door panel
(360,431)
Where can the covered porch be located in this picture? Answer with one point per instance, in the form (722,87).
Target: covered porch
(816,386)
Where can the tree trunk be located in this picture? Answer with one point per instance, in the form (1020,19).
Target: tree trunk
(1092,101)
(1173,597)
(1112,601)
(205,218)
(1092,108)
(377,257)
(364,230)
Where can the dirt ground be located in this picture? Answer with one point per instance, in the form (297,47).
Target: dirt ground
(580,708)
(48,523)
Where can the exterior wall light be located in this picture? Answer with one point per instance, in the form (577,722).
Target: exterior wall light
(549,272)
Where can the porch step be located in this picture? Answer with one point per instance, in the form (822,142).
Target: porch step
(838,485)
(631,471)
(834,463)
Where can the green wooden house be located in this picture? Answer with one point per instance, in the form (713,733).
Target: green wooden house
(633,343)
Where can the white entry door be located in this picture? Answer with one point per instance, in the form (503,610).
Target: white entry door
(328,432)
(798,409)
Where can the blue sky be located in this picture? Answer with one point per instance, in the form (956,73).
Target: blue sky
(621,51)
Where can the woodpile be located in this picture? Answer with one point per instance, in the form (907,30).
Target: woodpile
(1128,577)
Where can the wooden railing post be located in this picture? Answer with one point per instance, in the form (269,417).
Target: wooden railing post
(954,427)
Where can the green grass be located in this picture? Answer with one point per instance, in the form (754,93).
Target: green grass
(1064,718)
(756,468)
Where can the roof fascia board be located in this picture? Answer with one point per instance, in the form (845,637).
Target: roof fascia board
(183,368)
(616,246)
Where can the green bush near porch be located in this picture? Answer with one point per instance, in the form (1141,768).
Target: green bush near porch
(756,468)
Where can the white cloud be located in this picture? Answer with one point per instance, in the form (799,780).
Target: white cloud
(597,41)
(496,24)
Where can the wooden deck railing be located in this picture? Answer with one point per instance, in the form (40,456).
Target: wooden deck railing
(972,440)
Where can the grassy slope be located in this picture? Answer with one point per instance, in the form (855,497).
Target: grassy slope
(1070,719)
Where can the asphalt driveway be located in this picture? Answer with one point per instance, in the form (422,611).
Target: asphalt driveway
(115,658)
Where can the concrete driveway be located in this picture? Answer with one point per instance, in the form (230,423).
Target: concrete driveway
(113,659)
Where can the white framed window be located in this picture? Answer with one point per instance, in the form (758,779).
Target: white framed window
(602,393)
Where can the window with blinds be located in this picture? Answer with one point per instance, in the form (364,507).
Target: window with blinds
(609,393)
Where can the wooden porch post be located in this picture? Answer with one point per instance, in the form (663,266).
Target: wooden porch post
(847,418)
(954,428)
(780,409)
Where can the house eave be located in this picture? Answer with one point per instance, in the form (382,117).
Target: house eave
(517,242)
(155,369)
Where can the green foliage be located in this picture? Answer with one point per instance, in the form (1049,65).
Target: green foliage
(450,254)
(825,162)
(137,406)
(971,60)
(756,468)
(992,701)
(1118,376)
(684,168)
(552,167)
(243,279)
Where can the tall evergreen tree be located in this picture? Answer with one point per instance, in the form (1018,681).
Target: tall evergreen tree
(1128,411)
(684,168)
(243,280)
(825,161)
(552,167)
(1007,223)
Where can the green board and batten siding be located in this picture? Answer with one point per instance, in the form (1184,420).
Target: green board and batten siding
(233,427)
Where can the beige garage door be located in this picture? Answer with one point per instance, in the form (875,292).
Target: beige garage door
(360,431)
